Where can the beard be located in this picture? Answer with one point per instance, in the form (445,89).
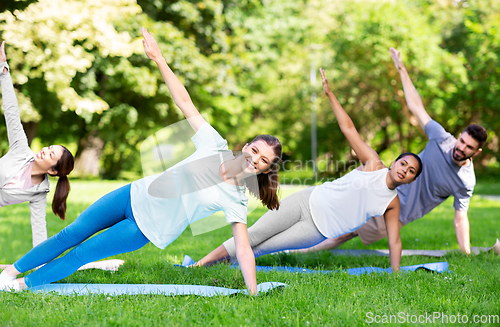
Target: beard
(459,156)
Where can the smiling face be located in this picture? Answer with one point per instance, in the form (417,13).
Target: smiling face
(465,148)
(257,157)
(404,170)
(47,158)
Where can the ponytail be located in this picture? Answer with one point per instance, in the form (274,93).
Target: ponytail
(60,196)
(265,186)
(63,167)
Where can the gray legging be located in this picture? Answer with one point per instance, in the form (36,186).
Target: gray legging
(289,227)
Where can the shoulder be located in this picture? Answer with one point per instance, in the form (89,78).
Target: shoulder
(374,164)
(207,136)
(468,176)
(434,130)
(394,204)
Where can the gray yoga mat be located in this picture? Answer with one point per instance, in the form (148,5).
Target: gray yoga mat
(134,289)
(429,253)
(439,267)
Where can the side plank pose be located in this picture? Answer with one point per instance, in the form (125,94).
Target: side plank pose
(23,174)
(310,216)
(448,170)
(133,217)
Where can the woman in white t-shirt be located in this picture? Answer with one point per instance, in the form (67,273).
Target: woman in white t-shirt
(23,174)
(158,208)
(332,209)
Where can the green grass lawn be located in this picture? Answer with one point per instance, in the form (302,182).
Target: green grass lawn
(472,287)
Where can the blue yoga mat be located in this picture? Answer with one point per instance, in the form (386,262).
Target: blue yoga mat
(134,289)
(439,267)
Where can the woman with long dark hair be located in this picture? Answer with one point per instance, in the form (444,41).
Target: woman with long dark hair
(23,174)
(332,209)
(159,208)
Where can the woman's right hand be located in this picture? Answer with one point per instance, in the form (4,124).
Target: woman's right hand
(150,46)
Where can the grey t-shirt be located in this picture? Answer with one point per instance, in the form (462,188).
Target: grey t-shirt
(440,178)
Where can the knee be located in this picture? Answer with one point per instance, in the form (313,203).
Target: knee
(68,236)
(73,259)
(348,236)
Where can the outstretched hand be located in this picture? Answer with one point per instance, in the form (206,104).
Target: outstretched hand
(324,80)
(3,57)
(150,46)
(396,57)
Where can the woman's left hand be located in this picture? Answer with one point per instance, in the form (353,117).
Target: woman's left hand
(326,87)
(150,46)
(3,57)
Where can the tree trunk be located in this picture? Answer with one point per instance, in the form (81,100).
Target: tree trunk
(87,163)
(30,130)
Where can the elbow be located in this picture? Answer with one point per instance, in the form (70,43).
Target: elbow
(184,101)
(348,128)
(396,243)
(460,218)
(244,254)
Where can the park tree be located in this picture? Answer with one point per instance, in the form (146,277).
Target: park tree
(364,78)
(351,41)
(12,5)
(47,49)
(474,37)
(83,78)
(88,79)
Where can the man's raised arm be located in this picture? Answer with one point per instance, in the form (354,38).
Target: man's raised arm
(411,94)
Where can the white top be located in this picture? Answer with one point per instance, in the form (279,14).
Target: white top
(344,205)
(165,204)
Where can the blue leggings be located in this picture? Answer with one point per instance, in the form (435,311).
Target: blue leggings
(114,212)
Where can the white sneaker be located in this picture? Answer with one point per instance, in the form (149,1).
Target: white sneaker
(5,278)
(12,286)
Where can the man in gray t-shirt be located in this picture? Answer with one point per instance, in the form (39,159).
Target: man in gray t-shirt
(447,170)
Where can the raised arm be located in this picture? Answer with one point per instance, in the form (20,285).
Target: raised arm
(15,131)
(364,152)
(178,91)
(391,217)
(411,94)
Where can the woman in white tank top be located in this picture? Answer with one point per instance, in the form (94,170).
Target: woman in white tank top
(332,209)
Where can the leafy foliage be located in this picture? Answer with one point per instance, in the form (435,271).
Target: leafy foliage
(80,71)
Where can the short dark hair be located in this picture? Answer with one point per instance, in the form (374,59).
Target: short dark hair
(478,133)
(420,165)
